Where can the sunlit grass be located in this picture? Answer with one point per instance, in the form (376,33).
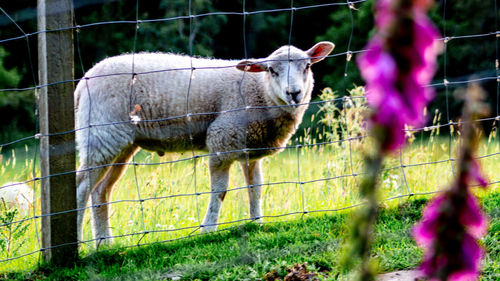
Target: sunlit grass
(168,201)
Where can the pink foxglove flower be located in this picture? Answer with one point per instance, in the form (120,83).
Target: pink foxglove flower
(400,61)
(453,221)
(448,232)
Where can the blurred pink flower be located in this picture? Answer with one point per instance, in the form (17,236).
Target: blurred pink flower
(379,70)
(399,63)
(384,13)
(425,231)
(468,258)
(427,48)
(447,232)
(472,218)
(396,84)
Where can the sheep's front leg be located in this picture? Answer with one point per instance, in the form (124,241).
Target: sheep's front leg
(253,175)
(219,176)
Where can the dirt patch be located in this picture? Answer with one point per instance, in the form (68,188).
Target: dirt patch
(403,275)
(297,273)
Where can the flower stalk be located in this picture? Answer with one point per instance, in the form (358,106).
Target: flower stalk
(399,62)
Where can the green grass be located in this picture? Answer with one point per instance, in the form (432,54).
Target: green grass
(171,210)
(249,251)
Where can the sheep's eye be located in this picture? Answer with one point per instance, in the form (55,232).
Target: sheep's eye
(308,66)
(273,72)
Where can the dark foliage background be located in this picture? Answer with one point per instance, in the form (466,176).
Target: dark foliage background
(223,36)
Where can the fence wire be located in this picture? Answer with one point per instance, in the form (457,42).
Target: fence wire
(301,150)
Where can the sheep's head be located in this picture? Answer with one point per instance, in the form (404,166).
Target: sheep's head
(288,72)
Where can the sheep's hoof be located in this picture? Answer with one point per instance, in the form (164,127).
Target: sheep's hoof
(258,220)
(103,242)
(208,228)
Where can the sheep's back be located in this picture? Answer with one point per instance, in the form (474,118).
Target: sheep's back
(171,96)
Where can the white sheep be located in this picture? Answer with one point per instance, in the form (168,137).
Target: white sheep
(176,103)
(18,196)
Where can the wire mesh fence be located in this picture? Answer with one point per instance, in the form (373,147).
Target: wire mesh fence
(163,197)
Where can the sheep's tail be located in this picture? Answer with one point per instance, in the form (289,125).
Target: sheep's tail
(77,94)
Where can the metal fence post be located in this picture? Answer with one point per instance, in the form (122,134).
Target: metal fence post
(57,149)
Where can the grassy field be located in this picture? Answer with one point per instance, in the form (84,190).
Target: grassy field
(305,187)
(324,171)
(252,252)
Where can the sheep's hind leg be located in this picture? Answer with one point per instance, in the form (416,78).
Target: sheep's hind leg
(219,177)
(253,175)
(101,196)
(87,177)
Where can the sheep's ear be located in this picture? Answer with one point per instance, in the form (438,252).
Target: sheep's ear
(251,66)
(319,51)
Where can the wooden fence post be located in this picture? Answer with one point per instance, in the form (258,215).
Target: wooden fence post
(57,151)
